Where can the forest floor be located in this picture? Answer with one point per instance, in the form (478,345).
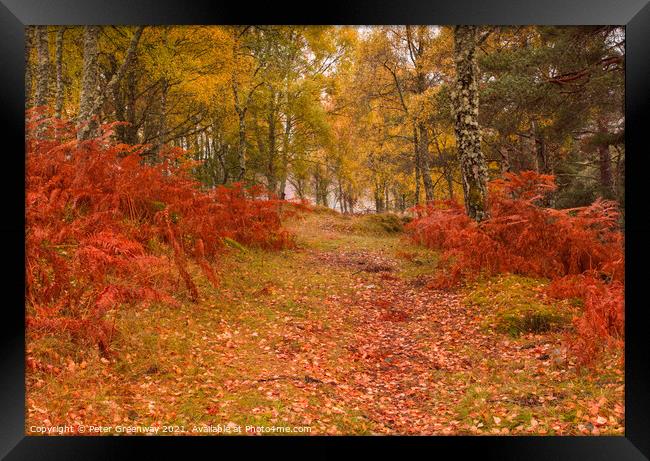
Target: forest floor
(341,335)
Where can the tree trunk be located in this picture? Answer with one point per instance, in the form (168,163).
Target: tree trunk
(424,162)
(92,106)
(386,198)
(271,173)
(43,69)
(605,166)
(324,197)
(29,45)
(286,140)
(119,108)
(417,43)
(207,148)
(541,161)
(129,133)
(321,188)
(241,147)
(342,198)
(416,150)
(299,186)
(59,95)
(220,152)
(605,161)
(468,138)
(379,206)
(162,121)
(283,186)
(620,181)
(150,133)
(505,160)
(222,162)
(87,126)
(449,176)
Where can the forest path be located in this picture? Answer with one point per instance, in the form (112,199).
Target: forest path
(410,359)
(377,351)
(341,335)
(400,341)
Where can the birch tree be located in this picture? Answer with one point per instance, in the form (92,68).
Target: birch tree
(468,137)
(59,90)
(43,66)
(29,45)
(88,82)
(92,99)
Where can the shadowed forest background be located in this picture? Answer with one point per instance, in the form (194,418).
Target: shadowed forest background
(359,229)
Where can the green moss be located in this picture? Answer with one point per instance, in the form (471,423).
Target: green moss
(388,223)
(516,306)
(476,197)
(417,261)
(320,209)
(530,319)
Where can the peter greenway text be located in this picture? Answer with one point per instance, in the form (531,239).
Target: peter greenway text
(229,428)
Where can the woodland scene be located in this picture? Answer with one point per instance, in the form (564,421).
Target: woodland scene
(324,230)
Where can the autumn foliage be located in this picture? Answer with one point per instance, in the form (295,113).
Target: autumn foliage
(581,249)
(103,229)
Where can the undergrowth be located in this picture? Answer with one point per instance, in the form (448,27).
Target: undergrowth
(581,250)
(388,223)
(104,229)
(517,305)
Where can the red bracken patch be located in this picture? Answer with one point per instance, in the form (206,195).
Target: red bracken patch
(581,249)
(104,229)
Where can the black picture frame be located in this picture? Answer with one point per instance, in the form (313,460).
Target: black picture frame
(634,14)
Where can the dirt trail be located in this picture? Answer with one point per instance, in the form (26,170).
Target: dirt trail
(401,339)
(341,335)
(421,361)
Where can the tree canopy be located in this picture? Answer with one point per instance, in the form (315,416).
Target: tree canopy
(353,118)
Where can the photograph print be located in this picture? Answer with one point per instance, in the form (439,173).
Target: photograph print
(324,230)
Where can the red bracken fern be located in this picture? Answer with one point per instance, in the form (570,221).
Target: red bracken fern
(579,249)
(103,229)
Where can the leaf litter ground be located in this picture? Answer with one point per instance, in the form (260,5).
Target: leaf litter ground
(341,335)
